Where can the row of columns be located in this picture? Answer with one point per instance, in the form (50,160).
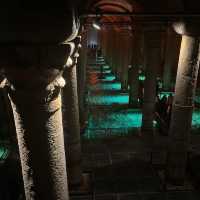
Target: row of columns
(43,91)
(116,48)
(151,37)
(35,74)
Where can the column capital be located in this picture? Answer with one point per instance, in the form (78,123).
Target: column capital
(187,27)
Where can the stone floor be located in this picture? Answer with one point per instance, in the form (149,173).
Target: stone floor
(121,163)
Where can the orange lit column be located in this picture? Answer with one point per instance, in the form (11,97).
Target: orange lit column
(71,120)
(152,60)
(171,58)
(180,125)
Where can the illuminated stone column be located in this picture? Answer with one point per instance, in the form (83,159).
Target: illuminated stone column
(171,58)
(36,102)
(180,125)
(152,49)
(33,62)
(71,120)
(133,72)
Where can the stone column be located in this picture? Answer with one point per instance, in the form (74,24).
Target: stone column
(124,57)
(81,76)
(116,53)
(34,93)
(33,62)
(71,121)
(171,59)
(118,56)
(183,102)
(133,72)
(152,47)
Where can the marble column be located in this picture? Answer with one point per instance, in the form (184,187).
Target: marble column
(152,47)
(182,108)
(71,120)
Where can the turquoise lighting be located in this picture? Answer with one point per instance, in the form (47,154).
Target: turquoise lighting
(165,93)
(109,78)
(3,152)
(141,78)
(197,99)
(106,86)
(108,99)
(107,71)
(116,119)
(114,123)
(106,67)
(196,118)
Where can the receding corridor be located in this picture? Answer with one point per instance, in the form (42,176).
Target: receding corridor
(100,100)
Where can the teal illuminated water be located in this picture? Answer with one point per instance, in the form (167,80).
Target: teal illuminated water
(3,152)
(106,86)
(116,122)
(129,118)
(108,99)
(108,78)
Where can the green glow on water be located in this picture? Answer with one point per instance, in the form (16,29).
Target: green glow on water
(196,118)
(197,99)
(106,86)
(141,78)
(109,78)
(106,67)
(114,123)
(108,99)
(116,119)
(107,71)
(3,152)
(165,93)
